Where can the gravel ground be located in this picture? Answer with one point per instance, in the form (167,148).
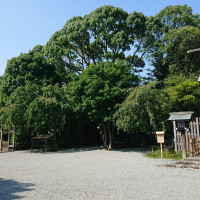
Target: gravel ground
(93,174)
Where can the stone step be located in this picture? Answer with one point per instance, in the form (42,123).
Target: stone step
(183,164)
(193,159)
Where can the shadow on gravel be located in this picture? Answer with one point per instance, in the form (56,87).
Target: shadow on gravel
(9,188)
(125,150)
(142,150)
(3,152)
(74,150)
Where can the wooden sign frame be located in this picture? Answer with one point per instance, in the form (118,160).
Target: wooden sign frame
(160,136)
(161,140)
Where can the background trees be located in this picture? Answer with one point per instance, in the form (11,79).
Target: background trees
(184,93)
(144,111)
(175,45)
(106,34)
(97,91)
(88,75)
(46,113)
(163,25)
(28,67)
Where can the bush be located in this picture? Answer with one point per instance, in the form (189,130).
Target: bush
(177,155)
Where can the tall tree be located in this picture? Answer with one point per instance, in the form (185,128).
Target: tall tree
(46,113)
(32,67)
(168,19)
(174,47)
(105,34)
(33,107)
(144,111)
(97,91)
(13,112)
(184,93)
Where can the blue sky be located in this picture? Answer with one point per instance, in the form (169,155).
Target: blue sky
(27,23)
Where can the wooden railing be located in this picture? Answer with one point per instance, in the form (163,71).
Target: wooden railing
(194,146)
(41,141)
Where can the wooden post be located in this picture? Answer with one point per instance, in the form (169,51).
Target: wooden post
(197,126)
(161,151)
(183,146)
(14,133)
(192,147)
(198,145)
(1,143)
(45,141)
(8,139)
(186,138)
(178,140)
(175,135)
(31,144)
(160,139)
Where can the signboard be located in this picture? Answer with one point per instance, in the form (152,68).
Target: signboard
(160,136)
(160,139)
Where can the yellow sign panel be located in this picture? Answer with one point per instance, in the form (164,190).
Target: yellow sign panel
(160,136)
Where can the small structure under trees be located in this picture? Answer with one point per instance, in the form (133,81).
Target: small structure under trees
(186,132)
(11,137)
(43,141)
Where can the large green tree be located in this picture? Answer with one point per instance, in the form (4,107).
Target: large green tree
(106,34)
(16,105)
(28,67)
(169,19)
(35,108)
(174,47)
(184,93)
(144,111)
(13,112)
(46,113)
(98,90)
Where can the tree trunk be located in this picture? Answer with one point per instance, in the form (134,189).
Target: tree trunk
(110,134)
(91,135)
(1,142)
(55,128)
(104,137)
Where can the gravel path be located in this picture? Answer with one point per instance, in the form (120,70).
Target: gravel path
(93,175)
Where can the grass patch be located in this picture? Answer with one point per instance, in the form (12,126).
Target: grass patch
(177,155)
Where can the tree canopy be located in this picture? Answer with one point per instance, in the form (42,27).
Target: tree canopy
(86,82)
(144,111)
(176,43)
(28,67)
(163,25)
(106,34)
(99,85)
(184,93)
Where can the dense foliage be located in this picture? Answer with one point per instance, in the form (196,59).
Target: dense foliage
(184,93)
(144,111)
(163,25)
(86,83)
(97,91)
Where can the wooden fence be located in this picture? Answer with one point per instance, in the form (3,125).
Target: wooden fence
(194,146)
(11,139)
(191,135)
(43,142)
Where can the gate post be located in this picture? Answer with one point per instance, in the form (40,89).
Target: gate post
(1,143)
(14,136)
(183,145)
